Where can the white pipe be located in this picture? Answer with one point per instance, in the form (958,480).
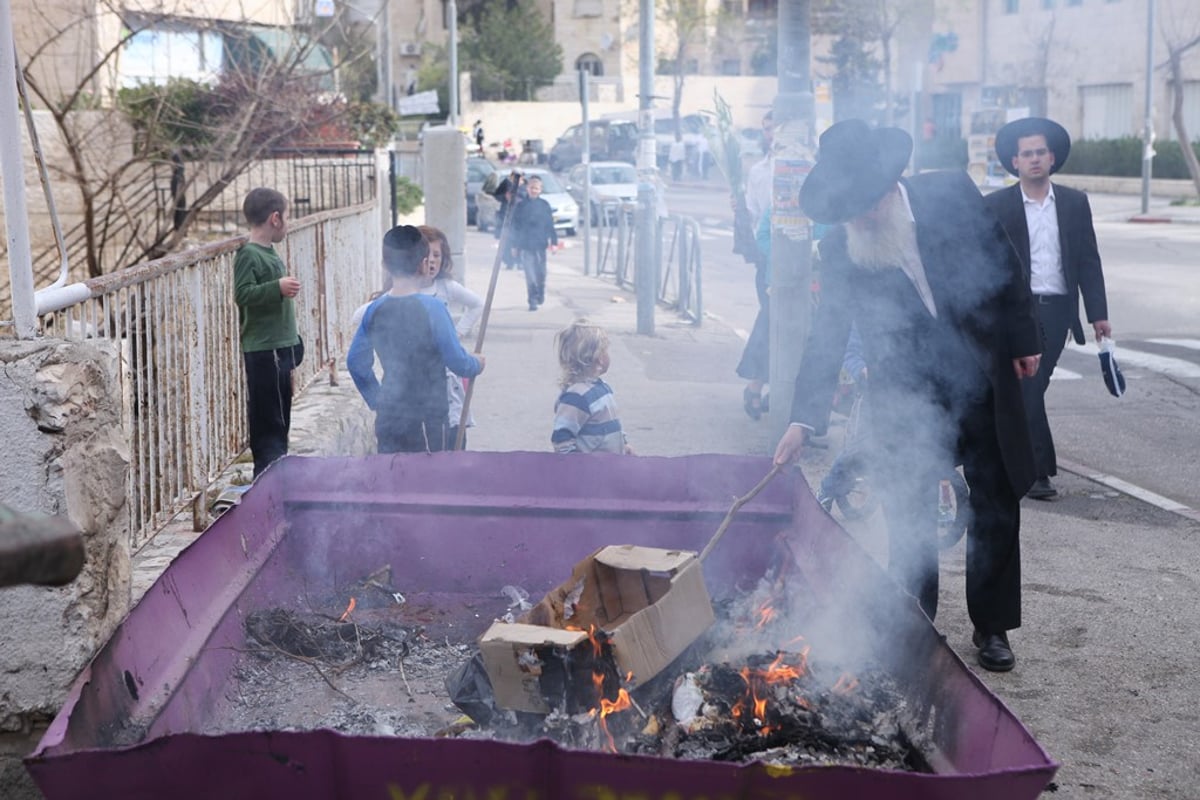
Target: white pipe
(12,168)
(56,298)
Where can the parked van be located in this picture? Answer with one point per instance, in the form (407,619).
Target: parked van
(611,140)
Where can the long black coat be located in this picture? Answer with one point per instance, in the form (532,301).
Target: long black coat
(1077,242)
(986,318)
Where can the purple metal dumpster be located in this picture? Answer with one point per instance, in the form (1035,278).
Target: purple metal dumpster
(457,527)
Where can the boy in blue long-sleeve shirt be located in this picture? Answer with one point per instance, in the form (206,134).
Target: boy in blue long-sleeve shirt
(414,338)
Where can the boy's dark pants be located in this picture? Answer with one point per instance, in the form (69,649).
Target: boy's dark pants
(269,403)
(534,262)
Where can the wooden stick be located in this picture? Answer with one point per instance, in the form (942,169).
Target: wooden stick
(738,503)
(483,321)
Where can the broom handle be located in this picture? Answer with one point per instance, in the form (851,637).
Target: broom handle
(483,322)
(738,503)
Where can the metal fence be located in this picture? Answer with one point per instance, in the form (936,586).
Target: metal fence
(677,256)
(174,325)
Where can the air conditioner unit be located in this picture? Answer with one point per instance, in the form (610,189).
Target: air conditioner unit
(410,48)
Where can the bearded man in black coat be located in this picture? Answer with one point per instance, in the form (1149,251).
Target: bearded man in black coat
(948,332)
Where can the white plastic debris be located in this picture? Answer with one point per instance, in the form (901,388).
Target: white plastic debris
(518,598)
(687,699)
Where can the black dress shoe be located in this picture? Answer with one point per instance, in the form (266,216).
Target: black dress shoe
(1042,489)
(994,653)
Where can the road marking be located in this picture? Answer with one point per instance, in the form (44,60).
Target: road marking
(1174,367)
(1061,374)
(1191,344)
(1136,492)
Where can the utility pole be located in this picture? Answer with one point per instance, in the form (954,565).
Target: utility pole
(791,231)
(452,25)
(645,271)
(12,169)
(1148,130)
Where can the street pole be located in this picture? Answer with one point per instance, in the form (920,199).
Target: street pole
(644,257)
(452,13)
(585,220)
(1148,130)
(791,231)
(12,170)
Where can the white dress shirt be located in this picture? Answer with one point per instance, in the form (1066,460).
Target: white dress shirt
(913,267)
(1045,251)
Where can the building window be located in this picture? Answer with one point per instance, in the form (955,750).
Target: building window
(1011,6)
(590,62)
(588,8)
(762,8)
(1108,111)
(731,66)
(733,7)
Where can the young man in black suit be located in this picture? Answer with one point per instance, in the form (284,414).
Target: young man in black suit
(948,333)
(1051,227)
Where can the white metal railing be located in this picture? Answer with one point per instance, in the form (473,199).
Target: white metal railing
(175,326)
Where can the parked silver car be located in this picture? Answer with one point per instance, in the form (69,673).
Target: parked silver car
(611,181)
(566,212)
(478,170)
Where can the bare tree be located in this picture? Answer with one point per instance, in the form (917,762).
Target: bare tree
(275,93)
(1180,28)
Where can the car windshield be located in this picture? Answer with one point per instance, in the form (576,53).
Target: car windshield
(610,175)
(550,184)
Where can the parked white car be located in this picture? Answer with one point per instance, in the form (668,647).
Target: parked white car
(611,181)
(562,205)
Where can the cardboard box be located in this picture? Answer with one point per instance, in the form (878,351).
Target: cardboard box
(651,602)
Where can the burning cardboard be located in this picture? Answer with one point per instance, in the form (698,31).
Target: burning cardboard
(649,604)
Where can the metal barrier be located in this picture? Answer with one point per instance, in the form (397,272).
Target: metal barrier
(678,282)
(174,326)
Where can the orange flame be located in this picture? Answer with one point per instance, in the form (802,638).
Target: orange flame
(765,614)
(349,609)
(846,683)
(606,707)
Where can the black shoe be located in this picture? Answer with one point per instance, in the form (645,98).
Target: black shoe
(995,654)
(1042,489)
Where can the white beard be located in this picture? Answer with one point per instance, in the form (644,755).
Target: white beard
(887,239)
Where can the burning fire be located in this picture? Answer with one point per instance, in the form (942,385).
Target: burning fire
(606,707)
(846,683)
(765,614)
(758,682)
(349,610)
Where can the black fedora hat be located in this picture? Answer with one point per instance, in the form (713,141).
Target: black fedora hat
(856,165)
(1057,139)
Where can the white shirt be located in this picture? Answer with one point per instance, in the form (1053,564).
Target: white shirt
(913,268)
(759,186)
(1045,250)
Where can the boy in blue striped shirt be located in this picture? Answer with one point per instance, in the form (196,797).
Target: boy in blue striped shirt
(585,416)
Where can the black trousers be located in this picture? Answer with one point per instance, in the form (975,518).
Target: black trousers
(909,495)
(1054,315)
(269,403)
(756,356)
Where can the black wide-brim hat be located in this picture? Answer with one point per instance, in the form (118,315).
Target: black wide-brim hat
(1057,139)
(856,166)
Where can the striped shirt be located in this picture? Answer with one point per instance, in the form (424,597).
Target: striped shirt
(586,420)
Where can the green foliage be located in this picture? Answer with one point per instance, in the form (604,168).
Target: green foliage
(372,124)
(856,82)
(1123,158)
(512,53)
(725,147)
(434,73)
(175,116)
(408,195)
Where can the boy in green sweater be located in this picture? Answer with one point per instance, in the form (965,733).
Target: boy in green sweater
(271,348)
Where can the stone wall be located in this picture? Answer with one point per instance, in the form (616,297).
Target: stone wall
(65,453)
